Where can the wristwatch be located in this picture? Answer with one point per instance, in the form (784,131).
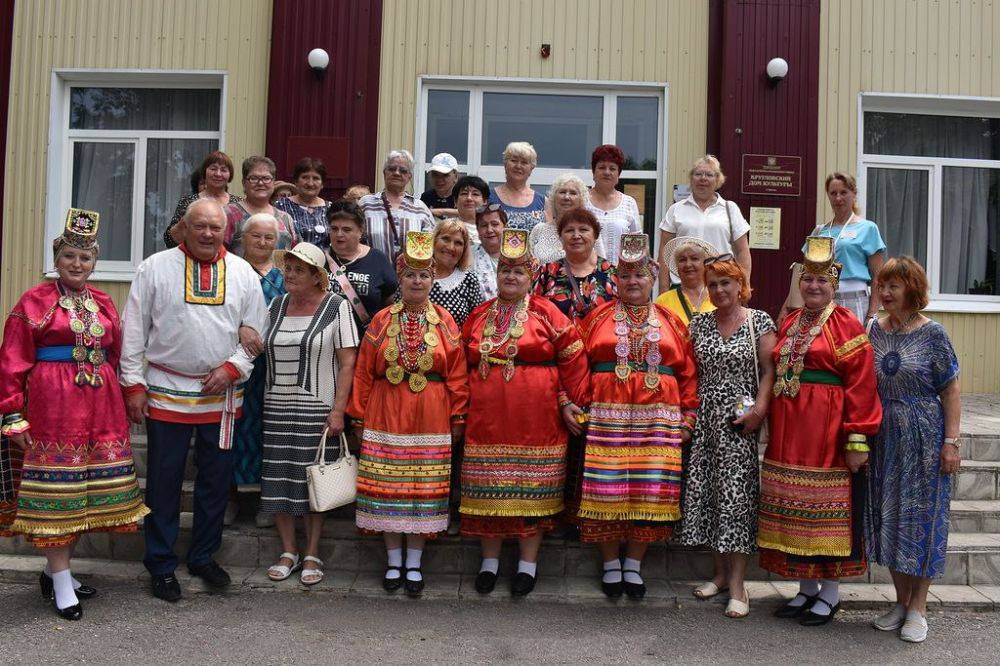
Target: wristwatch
(954,441)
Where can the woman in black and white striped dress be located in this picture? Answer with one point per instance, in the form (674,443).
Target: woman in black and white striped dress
(311,345)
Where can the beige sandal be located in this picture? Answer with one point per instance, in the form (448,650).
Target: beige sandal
(314,575)
(708,590)
(737,609)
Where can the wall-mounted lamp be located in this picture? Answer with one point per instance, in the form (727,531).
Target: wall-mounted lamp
(318,61)
(777,69)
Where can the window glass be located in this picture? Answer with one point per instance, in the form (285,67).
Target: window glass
(896,200)
(970,231)
(564,129)
(636,131)
(172,109)
(169,165)
(932,136)
(103,181)
(448,124)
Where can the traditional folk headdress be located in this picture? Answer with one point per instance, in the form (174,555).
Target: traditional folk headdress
(818,259)
(634,254)
(418,252)
(80,231)
(514,250)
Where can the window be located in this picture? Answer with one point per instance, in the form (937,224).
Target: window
(930,171)
(474,120)
(125,146)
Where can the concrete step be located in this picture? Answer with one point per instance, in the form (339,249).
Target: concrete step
(23,570)
(973,558)
(977,480)
(985,448)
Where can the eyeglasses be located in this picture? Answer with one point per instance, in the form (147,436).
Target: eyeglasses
(260,180)
(703,174)
(397,169)
(722,257)
(488,208)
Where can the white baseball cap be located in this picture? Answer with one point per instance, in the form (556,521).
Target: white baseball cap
(444,163)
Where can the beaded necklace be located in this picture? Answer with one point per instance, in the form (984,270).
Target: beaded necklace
(791,360)
(415,334)
(86,326)
(504,326)
(638,331)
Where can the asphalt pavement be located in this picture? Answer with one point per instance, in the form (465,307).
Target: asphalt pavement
(126,625)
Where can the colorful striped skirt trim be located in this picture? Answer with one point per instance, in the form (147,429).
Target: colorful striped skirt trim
(805,510)
(637,531)
(482,527)
(403,482)
(632,463)
(64,490)
(513,480)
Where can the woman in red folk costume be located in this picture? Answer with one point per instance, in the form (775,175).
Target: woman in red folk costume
(528,379)
(644,393)
(825,405)
(64,416)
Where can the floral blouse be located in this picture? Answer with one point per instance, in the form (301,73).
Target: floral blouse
(552,281)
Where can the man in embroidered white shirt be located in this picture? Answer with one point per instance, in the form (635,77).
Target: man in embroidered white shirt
(182,369)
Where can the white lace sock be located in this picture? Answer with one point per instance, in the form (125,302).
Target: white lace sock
(527,567)
(62,582)
(631,568)
(48,572)
(612,572)
(491,564)
(808,587)
(394,557)
(413,556)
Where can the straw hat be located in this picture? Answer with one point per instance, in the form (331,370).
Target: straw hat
(308,254)
(671,248)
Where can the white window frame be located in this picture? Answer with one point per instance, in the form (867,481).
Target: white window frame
(943,105)
(476,86)
(59,172)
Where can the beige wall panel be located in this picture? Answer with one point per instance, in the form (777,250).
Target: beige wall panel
(626,40)
(945,47)
(227,35)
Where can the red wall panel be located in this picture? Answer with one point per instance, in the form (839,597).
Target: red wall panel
(334,118)
(748,115)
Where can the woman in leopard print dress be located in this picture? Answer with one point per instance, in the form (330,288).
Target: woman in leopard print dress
(721,483)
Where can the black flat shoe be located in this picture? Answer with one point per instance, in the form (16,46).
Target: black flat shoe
(45,583)
(74,612)
(633,591)
(811,619)
(522,585)
(392,584)
(788,611)
(414,588)
(612,590)
(210,572)
(485,582)
(166,587)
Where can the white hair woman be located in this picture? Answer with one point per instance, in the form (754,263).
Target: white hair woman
(706,215)
(525,208)
(392,212)
(567,192)
(685,257)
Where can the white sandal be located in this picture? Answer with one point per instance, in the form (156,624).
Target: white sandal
(279,572)
(737,609)
(311,576)
(708,590)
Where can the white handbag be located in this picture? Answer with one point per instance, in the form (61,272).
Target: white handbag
(334,484)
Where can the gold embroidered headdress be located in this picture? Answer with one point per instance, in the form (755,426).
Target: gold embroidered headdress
(80,231)
(514,250)
(818,259)
(418,252)
(633,254)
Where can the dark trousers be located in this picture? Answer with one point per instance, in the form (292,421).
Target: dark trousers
(168,448)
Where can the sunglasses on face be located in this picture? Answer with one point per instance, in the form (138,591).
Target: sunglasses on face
(722,257)
(488,208)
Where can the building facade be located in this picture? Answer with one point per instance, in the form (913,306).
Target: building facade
(112,103)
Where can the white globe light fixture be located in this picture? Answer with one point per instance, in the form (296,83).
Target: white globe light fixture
(318,60)
(777,69)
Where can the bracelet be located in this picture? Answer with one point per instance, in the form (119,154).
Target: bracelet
(856,437)
(564,399)
(954,441)
(13,417)
(857,447)
(14,427)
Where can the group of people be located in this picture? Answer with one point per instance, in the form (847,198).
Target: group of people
(500,360)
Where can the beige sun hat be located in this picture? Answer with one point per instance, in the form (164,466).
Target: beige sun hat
(680,241)
(308,254)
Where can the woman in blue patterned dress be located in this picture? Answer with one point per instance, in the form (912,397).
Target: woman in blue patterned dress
(260,236)
(916,449)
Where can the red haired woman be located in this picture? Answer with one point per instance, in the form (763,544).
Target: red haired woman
(617,212)
(732,345)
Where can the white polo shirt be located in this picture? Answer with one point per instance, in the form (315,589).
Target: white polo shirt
(686,218)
